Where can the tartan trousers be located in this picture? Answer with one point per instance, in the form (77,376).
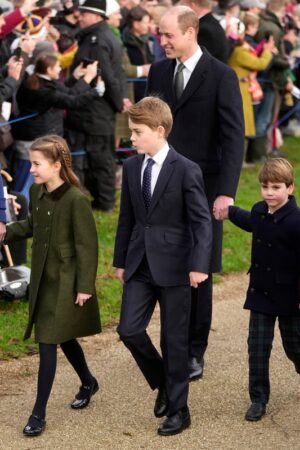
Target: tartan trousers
(260,339)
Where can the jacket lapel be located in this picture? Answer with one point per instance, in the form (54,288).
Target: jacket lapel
(163,178)
(198,76)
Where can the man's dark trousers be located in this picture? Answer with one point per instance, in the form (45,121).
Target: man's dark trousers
(139,299)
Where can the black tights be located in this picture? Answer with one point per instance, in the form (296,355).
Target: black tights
(47,369)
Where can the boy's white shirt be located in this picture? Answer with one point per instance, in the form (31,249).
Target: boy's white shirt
(158,159)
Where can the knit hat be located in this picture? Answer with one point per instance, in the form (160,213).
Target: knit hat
(94,6)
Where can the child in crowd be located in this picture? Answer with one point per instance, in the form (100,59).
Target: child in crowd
(163,247)
(274,276)
(62,298)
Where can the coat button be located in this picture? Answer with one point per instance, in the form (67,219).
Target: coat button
(147,225)
(268,269)
(256,266)
(265,293)
(45,245)
(252,290)
(275,221)
(49,213)
(263,216)
(269,245)
(258,241)
(37,208)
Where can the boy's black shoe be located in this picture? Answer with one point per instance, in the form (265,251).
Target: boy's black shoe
(35,426)
(161,402)
(196,367)
(255,412)
(82,399)
(176,423)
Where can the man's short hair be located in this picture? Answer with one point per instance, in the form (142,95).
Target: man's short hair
(187,19)
(277,170)
(153,112)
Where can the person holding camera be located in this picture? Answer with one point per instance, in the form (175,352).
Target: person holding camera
(93,128)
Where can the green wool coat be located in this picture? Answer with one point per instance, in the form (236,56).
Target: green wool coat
(64,262)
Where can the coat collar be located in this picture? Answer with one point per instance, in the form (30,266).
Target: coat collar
(56,194)
(281,213)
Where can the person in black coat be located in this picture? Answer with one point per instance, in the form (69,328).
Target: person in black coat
(274,276)
(162,248)
(208,129)
(211,35)
(93,128)
(44,94)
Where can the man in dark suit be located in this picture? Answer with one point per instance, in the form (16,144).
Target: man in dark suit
(211,35)
(162,248)
(208,129)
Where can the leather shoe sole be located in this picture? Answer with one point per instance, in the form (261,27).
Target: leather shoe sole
(80,403)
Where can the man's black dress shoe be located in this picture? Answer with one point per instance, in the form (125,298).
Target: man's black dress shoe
(196,368)
(161,403)
(176,423)
(255,412)
(35,426)
(83,397)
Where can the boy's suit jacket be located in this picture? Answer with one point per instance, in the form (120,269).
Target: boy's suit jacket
(175,233)
(208,126)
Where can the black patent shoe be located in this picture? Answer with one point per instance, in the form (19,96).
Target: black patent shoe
(161,403)
(36,428)
(83,397)
(255,412)
(176,423)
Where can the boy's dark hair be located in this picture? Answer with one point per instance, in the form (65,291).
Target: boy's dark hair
(277,170)
(153,112)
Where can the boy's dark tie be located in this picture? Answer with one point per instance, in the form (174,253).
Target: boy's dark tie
(146,188)
(178,81)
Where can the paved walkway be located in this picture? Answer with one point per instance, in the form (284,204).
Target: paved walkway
(120,415)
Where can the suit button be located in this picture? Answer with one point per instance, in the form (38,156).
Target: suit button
(265,293)
(275,220)
(258,241)
(269,245)
(268,269)
(263,216)
(147,225)
(256,266)
(252,290)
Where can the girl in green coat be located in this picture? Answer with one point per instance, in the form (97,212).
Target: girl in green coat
(62,296)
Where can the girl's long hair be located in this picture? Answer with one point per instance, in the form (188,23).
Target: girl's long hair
(55,148)
(44,61)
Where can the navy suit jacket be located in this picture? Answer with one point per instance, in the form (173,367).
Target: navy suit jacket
(175,233)
(208,126)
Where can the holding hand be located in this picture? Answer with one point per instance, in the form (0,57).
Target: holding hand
(197,278)
(82,298)
(221,206)
(90,72)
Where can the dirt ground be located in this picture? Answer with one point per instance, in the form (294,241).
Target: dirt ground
(120,415)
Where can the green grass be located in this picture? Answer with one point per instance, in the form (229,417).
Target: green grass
(236,257)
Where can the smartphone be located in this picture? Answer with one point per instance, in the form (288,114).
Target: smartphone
(87,61)
(18,53)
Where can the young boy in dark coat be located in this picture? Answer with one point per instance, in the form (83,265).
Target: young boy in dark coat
(274,276)
(163,247)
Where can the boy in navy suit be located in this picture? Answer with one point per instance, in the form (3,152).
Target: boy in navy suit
(274,276)
(163,247)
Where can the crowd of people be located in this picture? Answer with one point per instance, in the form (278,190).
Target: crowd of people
(205,86)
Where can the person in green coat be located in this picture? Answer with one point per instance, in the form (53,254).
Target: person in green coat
(62,295)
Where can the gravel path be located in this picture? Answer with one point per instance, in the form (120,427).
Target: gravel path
(120,415)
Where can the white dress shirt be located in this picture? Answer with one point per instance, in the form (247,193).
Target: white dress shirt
(189,66)
(158,159)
